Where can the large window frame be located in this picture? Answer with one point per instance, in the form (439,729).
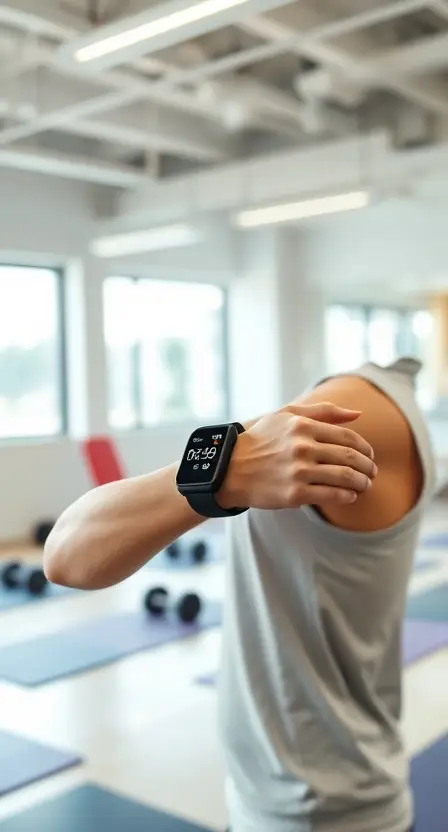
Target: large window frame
(140,425)
(62,365)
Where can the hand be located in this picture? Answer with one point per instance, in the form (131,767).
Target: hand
(298,456)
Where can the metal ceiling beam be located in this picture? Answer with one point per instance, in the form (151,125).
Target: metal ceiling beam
(428,54)
(68,104)
(70,167)
(428,93)
(42,17)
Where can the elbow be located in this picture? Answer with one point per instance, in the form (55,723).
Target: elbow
(64,563)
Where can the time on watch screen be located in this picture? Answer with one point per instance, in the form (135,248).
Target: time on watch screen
(202,455)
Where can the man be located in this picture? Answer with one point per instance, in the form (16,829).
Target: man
(317,578)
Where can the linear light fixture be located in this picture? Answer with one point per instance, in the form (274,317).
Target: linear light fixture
(141,242)
(146,31)
(291,211)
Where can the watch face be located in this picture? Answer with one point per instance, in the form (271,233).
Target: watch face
(202,454)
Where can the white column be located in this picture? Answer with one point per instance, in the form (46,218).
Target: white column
(276,323)
(86,354)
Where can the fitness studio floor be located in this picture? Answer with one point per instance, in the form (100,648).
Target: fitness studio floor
(145,730)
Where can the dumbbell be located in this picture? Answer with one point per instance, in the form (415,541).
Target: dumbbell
(199,551)
(18,576)
(42,531)
(158,603)
(174,550)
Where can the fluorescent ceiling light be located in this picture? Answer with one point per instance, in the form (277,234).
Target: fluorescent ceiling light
(145,31)
(253,218)
(140,242)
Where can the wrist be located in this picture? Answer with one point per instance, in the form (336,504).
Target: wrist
(234,492)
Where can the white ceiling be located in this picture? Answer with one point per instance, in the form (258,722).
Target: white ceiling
(269,74)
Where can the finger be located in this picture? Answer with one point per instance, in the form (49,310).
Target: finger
(343,455)
(317,495)
(335,435)
(325,412)
(339,476)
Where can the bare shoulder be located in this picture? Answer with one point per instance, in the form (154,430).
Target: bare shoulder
(397,487)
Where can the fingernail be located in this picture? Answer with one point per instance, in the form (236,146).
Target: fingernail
(372,455)
(369,483)
(375,470)
(353,497)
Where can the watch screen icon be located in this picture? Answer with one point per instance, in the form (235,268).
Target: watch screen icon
(195,467)
(205,466)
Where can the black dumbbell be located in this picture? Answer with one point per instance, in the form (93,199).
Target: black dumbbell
(187,607)
(42,531)
(199,551)
(174,550)
(18,576)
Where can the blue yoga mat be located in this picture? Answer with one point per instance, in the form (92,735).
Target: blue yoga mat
(23,761)
(429,775)
(96,643)
(91,809)
(429,606)
(438,540)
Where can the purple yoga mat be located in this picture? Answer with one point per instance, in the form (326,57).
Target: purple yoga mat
(94,644)
(420,638)
(24,761)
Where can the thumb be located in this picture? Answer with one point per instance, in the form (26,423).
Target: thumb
(325,412)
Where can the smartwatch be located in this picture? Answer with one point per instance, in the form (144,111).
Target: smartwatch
(204,467)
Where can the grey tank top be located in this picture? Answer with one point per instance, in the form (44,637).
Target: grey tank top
(310,687)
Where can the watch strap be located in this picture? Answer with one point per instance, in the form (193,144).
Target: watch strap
(208,506)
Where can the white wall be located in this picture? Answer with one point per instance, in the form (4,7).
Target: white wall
(50,221)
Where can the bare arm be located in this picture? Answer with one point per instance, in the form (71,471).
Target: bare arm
(109,533)
(112,531)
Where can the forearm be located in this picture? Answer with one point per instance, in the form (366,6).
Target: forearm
(110,532)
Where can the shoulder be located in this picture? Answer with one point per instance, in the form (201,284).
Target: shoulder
(397,487)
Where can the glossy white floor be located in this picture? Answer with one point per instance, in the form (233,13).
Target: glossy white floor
(144,729)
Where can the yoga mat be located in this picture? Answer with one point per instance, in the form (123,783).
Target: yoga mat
(420,639)
(23,761)
(91,809)
(438,540)
(429,772)
(429,606)
(94,644)
(11,598)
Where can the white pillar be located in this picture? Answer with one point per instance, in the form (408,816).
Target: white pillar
(86,354)
(276,324)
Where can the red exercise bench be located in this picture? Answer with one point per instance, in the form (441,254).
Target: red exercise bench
(102,460)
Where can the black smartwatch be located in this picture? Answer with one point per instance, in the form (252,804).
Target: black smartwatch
(204,467)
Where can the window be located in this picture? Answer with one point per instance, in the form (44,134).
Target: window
(166,352)
(355,334)
(32,400)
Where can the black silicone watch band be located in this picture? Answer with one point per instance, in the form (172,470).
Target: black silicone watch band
(206,505)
